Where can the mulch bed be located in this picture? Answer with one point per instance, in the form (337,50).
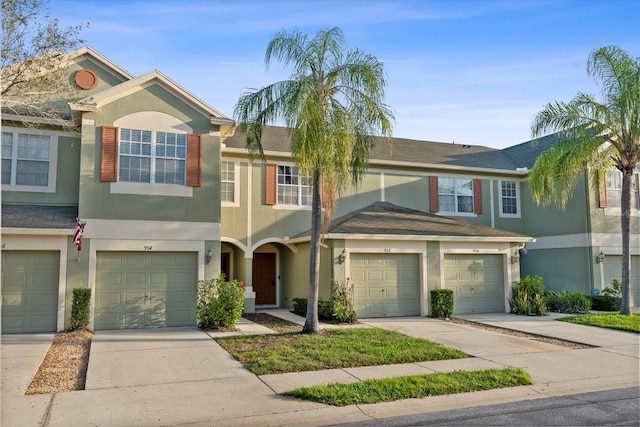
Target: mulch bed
(64,368)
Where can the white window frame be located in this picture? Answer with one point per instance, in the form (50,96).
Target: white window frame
(615,193)
(153,156)
(456,212)
(53,160)
(236,184)
(279,205)
(502,214)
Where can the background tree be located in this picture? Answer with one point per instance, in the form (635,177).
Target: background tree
(333,106)
(33,55)
(598,134)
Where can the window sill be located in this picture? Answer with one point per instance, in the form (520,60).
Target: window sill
(292,207)
(29,188)
(467,214)
(515,216)
(144,189)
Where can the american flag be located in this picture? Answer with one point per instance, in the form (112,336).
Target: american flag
(77,235)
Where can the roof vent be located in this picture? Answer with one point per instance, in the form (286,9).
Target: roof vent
(86,79)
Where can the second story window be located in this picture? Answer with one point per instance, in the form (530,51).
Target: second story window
(614,189)
(455,194)
(293,189)
(152,157)
(227,182)
(28,161)
(509,197)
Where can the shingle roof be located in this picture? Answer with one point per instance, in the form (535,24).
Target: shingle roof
(383,218)
(402,150)
(38,216)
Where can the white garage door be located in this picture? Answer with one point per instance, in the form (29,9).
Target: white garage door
(145,290)
(385,284)
(613,270)
(30,291)
(477,282)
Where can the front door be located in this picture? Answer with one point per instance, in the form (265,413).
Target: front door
(264,277)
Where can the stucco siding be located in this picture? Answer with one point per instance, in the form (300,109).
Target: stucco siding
(562,269)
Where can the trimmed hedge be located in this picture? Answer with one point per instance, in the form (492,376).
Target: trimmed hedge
(80,308)
(324,308)
(605,303)
(441,303)
(567,302)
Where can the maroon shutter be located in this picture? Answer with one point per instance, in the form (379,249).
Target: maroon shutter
(602,188)
(109,154)
(270,184)
(433,194)
(477,196)
(194,160)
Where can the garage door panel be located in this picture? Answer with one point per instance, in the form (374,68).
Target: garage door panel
(385,284)
(613,270)
(30,285)
(477,282)
(142,290)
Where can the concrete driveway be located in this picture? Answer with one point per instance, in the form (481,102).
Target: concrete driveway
(181,376)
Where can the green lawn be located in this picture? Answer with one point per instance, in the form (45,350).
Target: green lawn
(339,348)
(607,320)
(415,386)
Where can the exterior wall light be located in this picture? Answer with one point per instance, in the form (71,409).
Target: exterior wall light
(600,257)
(208,256)
(342,257)
(515,258)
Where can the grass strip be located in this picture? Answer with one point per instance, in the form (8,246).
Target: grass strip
(412,387)
(618,321)
(338,348)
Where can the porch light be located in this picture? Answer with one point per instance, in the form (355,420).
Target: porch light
(600,257)
(515,258)
(342,257)
(208,256)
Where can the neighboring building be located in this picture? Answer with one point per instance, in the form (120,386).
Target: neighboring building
(170,196)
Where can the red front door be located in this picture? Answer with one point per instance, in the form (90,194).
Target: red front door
(264,278)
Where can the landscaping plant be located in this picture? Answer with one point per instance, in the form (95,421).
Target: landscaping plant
(220,303)
(567,302)
(441,303)
(80,310)
(342,302)
(528,297)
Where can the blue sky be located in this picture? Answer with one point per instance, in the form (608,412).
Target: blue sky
(473,72)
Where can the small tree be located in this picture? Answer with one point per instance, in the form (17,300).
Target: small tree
(34,56)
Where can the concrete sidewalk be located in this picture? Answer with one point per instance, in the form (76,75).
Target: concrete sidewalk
(181,376)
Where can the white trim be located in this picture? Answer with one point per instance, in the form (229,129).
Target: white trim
(292,207)
(518,209)
(88,122)
(148,189)
(429,238)
(268,240)
(38,231)
(235,242)
(111,66)
(45,243)
(610,242)
(382,187)
(39,120)
(53,159)
(147,245)
(493,214)
(249,207)
(151,230)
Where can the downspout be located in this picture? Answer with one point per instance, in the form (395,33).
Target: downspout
(590,254)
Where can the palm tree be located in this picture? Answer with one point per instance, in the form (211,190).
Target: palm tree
(333,106)
(600,134)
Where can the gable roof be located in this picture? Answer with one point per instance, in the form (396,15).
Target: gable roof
(387,220)
(106,62)
(112,94)
(402,152)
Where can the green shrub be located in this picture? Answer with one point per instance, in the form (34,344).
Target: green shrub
(342,302)
(300,306)
(605,303)
(441,303)
(220,303)
(614,291)
(80,308)
(567,302)
(324,310)
(528,297)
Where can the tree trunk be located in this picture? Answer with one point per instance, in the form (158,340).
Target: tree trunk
(625,222)
(311,323)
